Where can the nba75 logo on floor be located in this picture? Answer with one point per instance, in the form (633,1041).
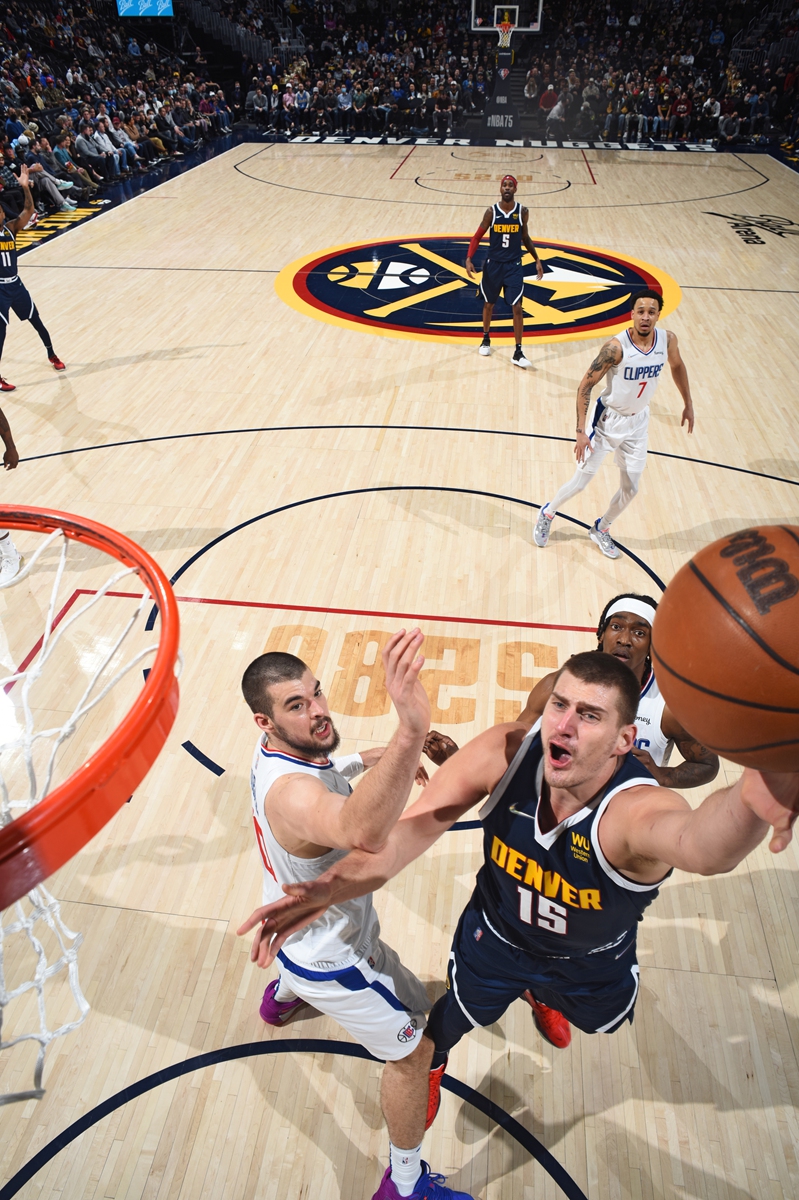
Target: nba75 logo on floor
(419,288)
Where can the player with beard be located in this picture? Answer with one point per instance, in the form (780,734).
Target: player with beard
(307,817)
(578,838)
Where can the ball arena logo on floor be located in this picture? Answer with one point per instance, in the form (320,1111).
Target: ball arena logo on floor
(419,288)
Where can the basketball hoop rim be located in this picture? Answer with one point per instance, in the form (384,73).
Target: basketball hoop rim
(38,842)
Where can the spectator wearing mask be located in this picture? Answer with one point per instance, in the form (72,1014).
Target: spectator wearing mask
(648,113)
(344,101)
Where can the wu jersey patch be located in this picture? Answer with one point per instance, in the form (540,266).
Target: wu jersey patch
(418,288)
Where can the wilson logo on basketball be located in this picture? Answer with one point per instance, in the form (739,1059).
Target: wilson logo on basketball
(768,580)
(419,288)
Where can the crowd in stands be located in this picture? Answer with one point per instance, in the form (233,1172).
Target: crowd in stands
(85,106)
(641,68)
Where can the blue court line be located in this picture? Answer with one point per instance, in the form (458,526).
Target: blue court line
(543,437)
(414,487)
(203,759)
(282,1046)
(465,825)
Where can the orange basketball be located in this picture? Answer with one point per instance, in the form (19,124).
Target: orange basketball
(725,646)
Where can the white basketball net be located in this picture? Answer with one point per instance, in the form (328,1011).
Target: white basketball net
(505,32)
(38,749)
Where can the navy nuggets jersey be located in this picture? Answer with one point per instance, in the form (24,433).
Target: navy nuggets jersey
(554,894)
(8,256)
(505,235)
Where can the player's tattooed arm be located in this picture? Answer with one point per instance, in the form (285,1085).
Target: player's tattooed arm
(700,766)
(680,376)
(528,245)
(609,356)
(11,457)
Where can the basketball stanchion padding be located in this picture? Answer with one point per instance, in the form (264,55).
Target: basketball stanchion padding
(725,646)
(57,826)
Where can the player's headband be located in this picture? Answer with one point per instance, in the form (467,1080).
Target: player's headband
(629,604)
(511,178)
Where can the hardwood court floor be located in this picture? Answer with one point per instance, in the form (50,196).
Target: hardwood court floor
(165,312)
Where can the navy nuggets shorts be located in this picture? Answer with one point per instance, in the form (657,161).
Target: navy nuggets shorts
(15,297)
(499,276)
(597,993)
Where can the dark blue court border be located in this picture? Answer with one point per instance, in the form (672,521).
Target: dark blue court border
(283,1046)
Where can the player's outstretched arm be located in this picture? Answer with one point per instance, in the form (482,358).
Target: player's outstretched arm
(679,374)
(27,211)
(528,245)
(463,781)
(700,765)
(303,813)
(644,835)
(609,356)
(367,816)
(475,242)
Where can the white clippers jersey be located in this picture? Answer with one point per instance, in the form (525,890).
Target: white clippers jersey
(345,932)
(631,385)
(648,720)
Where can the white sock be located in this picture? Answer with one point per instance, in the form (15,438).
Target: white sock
(603,526)
(283,993)
(406,1168)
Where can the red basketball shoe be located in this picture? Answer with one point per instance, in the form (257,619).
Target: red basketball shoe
(552,1025)
(57,363)
(434,1094)
(5,386)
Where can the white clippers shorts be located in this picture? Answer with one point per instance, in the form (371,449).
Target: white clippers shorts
(378,1001)
(625,436)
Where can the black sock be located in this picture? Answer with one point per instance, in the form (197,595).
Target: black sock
(519,347)
(38,325)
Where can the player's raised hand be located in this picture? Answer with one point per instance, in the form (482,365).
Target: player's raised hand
(303,903)
(774,797)
(402,663)
(24,177)
(438,747)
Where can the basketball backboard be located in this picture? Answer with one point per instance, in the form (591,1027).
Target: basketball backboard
(524,15)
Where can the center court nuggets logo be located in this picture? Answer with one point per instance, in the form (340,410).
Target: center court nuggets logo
(418,288)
